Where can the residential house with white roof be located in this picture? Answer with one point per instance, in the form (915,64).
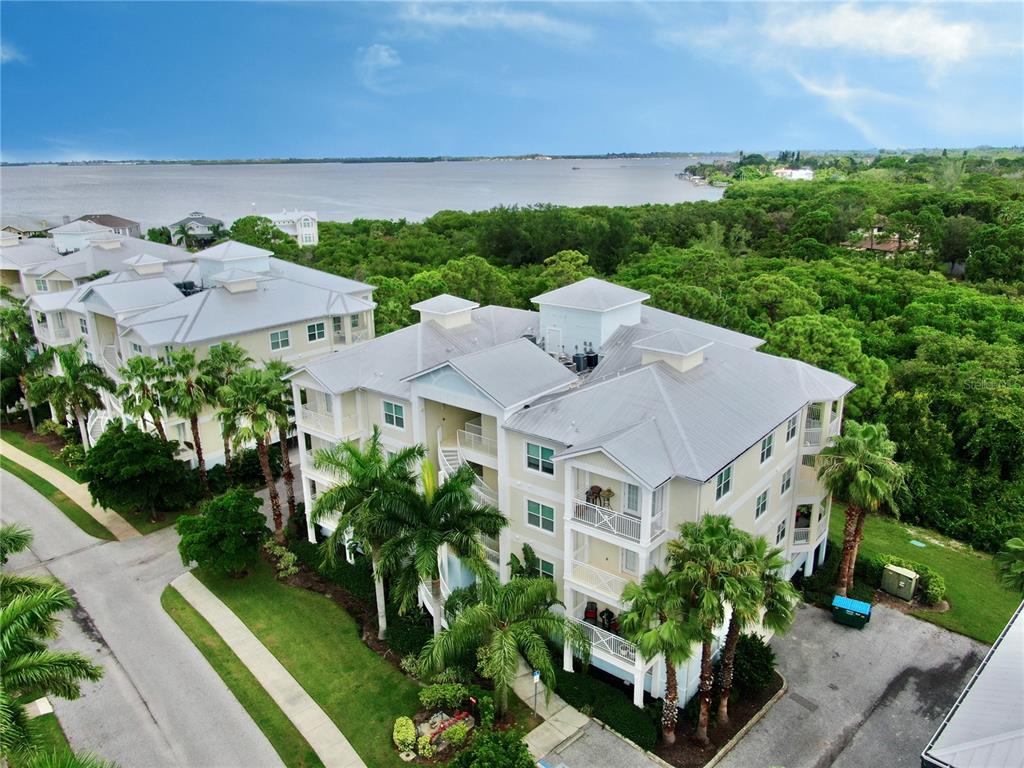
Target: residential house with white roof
(76,235)
(119,224)
(199,227)
(299,224)
(597,425)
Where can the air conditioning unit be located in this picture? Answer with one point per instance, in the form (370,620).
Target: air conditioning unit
(899,582)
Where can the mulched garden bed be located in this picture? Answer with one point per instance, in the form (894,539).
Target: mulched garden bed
(52,442)
(687,753)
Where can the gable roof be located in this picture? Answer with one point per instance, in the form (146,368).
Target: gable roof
(591,293)
(196,217)
(135,295)
(108,220)
(78,227)
(232,250)
(143,259)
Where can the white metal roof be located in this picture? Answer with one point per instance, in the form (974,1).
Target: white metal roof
(444,304)
(231,250)
(673,342)
(122,297)
(591,293)
(143,259)
(79,227)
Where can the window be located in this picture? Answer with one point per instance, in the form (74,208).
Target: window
(814,415)
(547,569)
(630,561)
(307,238)
(312,490)
(767,445)
(540,459)
(136,349)
(354,320)
(809,460)
(791,426)
(780,532)
(315,331)
(83,326)
(723,483)
(88,355)
(339,329)
(540,516)
(167,354)
(42,286)
(787,480)
(394,415)
(307,439)
(761,505)
(303,396)
(835,410)
(279,340)
(41,318)
(632,500)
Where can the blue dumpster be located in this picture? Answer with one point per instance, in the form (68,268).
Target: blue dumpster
(852,613)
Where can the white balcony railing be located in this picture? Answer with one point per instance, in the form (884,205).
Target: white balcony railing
(601,640)
(470,441)
(606,583)
(603,519)
(62,333)
(111,361)
(812,434)
(801,535)
(360,335)
(321,421)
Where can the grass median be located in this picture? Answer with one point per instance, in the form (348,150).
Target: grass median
(37,450)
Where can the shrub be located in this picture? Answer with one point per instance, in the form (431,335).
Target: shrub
(754,664)
(410,664)
(217,477)
(51,427)
(458,600)
(495,749)
(608,704)
(424,747)
(456,735)
(226,534)
(245,466)
(443,696)
(486,706)
(408,633)
(72,454)
(933,585)
(404,734)
(820,587)
(453,674)
(285,561)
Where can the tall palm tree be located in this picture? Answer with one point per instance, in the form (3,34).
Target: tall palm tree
(186,392)
(14,538)
(143,378)
(248,401)
(658,621)
(76,388)
(859,468)
(18,351)
(509,621)
(767,599)
(1010,564)
(225,360)
(430,520)
(283,415)
(184,234)
(28,669)
(704,557)
(364,474)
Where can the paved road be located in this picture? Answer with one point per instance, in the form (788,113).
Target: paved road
(859,698)
(594,747)
(159,703)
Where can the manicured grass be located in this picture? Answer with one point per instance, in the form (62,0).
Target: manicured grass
(75,513)
(319,644)
(49,737)
(38,451)
(979,606)
(292,748)
(144,525)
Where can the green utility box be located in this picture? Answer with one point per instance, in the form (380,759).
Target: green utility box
(852,613)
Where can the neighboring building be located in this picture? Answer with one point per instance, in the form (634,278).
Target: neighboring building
(199,226)
(17,254)
(985,727)
(75,235)
(118,224)
(794,174)
(667,420)
(299,224)
(26,226)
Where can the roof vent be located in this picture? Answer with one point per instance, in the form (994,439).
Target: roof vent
(683,351)
(446,310)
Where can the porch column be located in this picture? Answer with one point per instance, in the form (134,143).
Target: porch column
(638,681)
(823,552)
(809,564)
(570,607)
(308,503)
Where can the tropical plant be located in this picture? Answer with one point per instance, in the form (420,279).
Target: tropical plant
(224,361)
(14,538)
(858,467)
(20,362)
(28,669)
(283,415)
(511,620)
(248,401)
(528,566)
(492,748)
(768,599)
(427,522)
(657,620)
(364,475)
(1010,563)
(186,392)
(143,378)
(184,234)
(64,759)
(76,388)
(226,534)
(704,558)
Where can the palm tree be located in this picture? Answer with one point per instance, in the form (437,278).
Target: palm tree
(76,388)
(66,759)
(704,557)
(1010,563)
(768,599)
(511,620)
(859,468)
(658,621)
(365,474)
(28,669)
(18,351)
(15,538)
(142,379)
(225,360)
(183,232)
(248,401)
(429,520)
(187,391)
(283,413)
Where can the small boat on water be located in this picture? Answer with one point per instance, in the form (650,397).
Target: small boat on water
(576,168)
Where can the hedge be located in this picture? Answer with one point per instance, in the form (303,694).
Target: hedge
(933,585)
(608,704)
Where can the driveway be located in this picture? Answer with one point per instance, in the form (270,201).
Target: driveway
(870,697)
(159,702)
(593,747)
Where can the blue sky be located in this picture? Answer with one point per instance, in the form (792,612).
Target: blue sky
(227,80)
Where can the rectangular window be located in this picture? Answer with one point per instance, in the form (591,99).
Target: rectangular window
(394,415)
(791,426)
(136,349)
(279,340)
(723,483)
(354,320)
(41,318)
(835,410)
(761,505)
(339,329)
(547,569)
(307,238)
(540,516)
(83,326)
(814,415)
(630,561)
(312,490)
(787,481)
(632,500)
(767,445)
(780,532)
(315,331)
(303,396)
(808,461)
(88,355)
(307,439)
(540,459)
(328,403)
(42,286)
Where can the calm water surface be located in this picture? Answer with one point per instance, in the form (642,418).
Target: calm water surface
(159,194)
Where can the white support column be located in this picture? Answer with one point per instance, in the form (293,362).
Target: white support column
(824,550)
(570,603)
(646,509)
(568,474)
(335,405)
(638,681)
(504,496)
(307,501)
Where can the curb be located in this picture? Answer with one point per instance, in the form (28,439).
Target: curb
(729,745)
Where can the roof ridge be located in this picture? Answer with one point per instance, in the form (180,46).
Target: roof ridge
(204,297)
(672,411)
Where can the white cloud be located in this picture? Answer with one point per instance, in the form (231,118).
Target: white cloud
(375,64)
(851,104)
(485,16)
(9,53)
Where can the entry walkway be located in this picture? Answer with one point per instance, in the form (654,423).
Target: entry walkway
(561,721)
(77,492)
(312,722)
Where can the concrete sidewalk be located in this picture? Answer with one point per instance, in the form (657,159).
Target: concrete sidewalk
(561,721)
(77,492)
(312,722)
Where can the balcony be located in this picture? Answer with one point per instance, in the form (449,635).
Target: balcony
(111,361)
(604,642)
(450,459)
(607,520)
(323,422)
(473,441)
(597,580)
(61,334)
(801,535)
(491,552)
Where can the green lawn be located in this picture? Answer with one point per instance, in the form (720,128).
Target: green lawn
(319,644)
(979,606)
(49,737)
(144,525)
(75,513)
(293,749)
(38,451)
